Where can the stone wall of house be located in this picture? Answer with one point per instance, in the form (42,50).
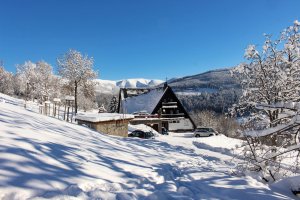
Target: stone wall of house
(118,128)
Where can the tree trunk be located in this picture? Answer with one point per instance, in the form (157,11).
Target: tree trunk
(76,86)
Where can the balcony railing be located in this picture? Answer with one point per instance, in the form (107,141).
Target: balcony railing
(172,115)
(169,106)
(169,103)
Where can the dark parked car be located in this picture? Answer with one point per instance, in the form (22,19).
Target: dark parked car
(141,134)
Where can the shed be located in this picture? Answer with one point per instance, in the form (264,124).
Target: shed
(109,123)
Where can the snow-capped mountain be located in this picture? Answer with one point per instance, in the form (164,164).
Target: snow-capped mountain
(138,83)
(108,86)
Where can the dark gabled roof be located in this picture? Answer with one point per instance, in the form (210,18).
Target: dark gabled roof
(167,90)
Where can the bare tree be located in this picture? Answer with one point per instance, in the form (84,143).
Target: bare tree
(206,118)
(26,74)
(44,80)
(6,80)
(87,97)
(77,69)
(35,80)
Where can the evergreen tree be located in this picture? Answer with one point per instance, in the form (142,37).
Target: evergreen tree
(113,105)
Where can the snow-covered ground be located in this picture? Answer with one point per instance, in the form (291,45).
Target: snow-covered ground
(45,158)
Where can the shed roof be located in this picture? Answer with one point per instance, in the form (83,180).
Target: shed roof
(102,117)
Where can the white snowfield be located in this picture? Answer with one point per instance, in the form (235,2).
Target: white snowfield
(45,158)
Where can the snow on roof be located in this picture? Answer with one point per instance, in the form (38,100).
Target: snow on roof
(142,127)
(145,102)
(147,119)
(70,98)
(281,128)
(56,100)
(101,117)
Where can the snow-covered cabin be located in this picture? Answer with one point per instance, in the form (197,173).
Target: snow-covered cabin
(161,102)
(109,123)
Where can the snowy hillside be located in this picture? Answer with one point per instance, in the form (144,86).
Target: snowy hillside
(219,78)
(112,87)
(45,158)
(207,90)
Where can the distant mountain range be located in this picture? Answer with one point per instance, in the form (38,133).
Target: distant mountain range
(138,83)
(212,90)
(107,86)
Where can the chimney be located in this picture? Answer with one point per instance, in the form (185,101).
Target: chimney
(165,85)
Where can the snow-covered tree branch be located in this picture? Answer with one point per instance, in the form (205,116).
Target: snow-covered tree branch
(270,99)
(77,69)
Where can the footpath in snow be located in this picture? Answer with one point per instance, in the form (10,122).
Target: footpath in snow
(45,158)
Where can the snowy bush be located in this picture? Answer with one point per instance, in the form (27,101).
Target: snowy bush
(221,123)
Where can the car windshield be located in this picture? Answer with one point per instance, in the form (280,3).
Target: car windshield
(136,133)
(150,134)
(202,129)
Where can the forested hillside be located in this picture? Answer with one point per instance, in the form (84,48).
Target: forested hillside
(213,90)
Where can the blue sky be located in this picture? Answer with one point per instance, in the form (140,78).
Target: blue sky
(139,38)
